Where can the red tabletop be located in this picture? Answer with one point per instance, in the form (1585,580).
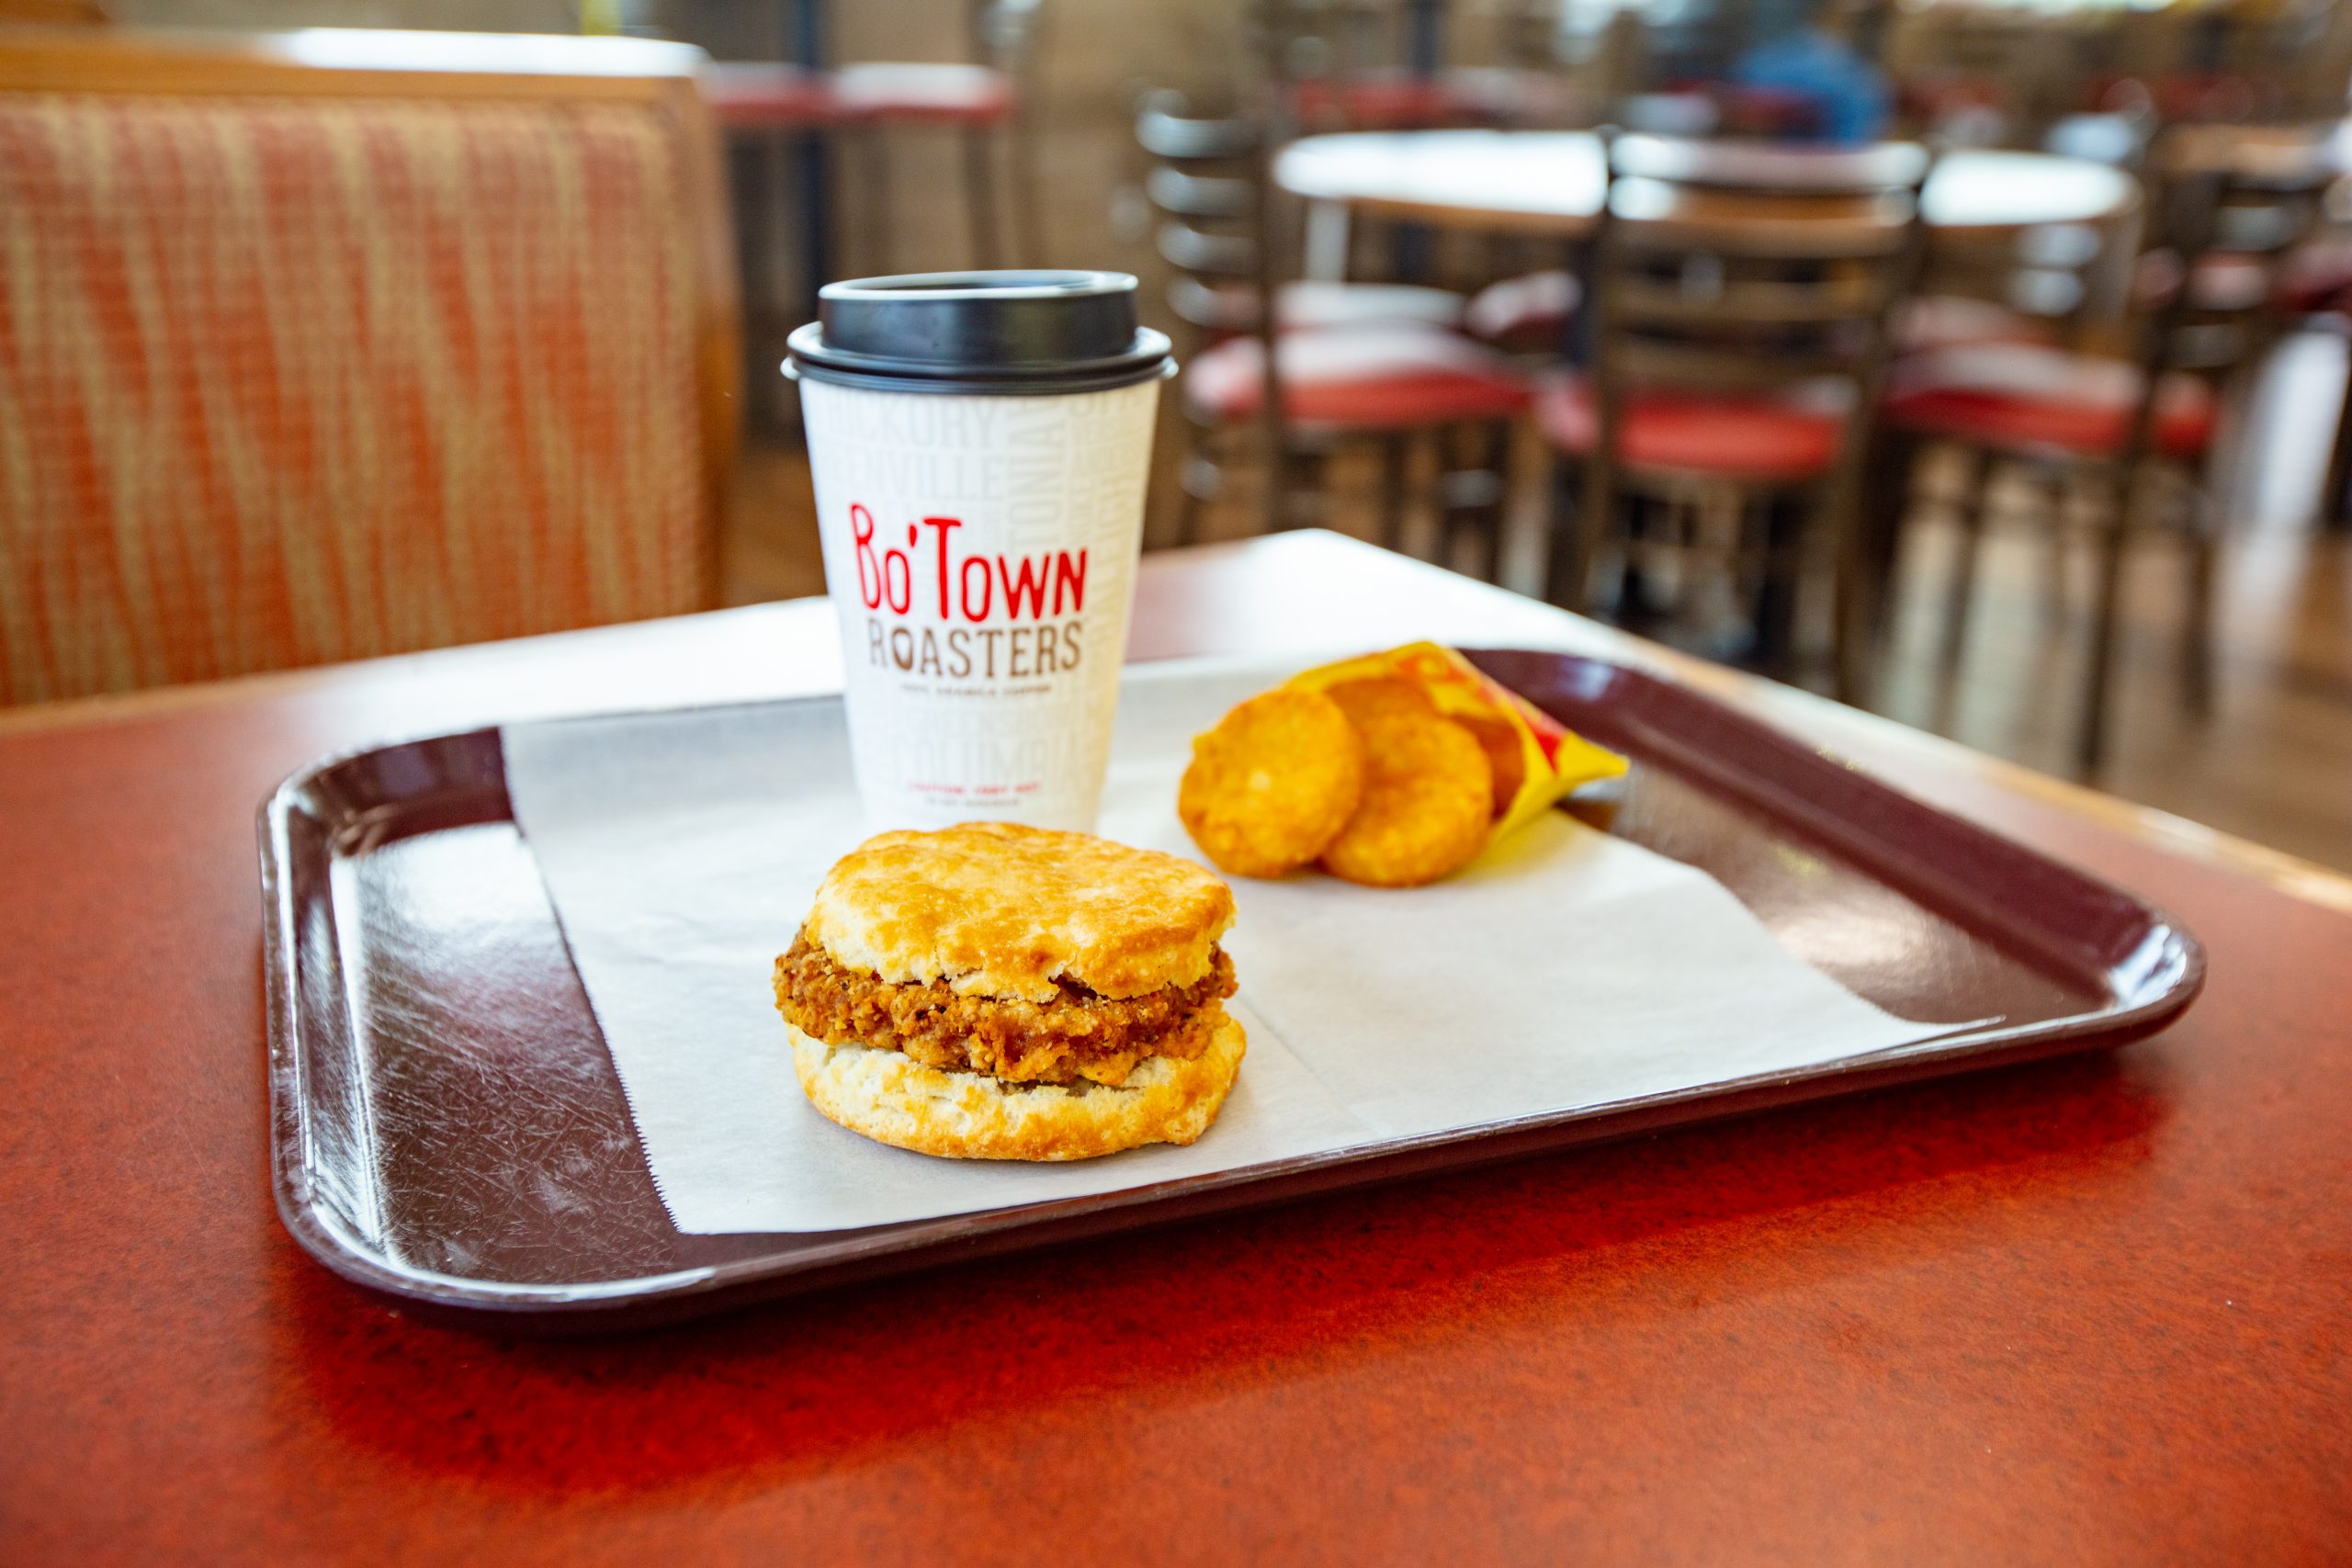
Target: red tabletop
(2094,1311)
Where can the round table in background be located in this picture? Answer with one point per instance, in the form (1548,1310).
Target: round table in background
(1549,182)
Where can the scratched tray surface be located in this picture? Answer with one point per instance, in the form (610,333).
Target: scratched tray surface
(448,1127)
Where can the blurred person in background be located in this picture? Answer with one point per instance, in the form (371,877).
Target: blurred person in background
(1812,52)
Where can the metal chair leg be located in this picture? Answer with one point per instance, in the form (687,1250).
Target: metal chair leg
(1495,515)
(1312,480)
(2091,742)
(1589,528)
(1445,542)
(1865,512)
(1768,591)
(979,199)
(1881,515)
(1530,484)
(767,236)
(2196,627)
(2334,507)
(1188,517)
(1851,671)
(874,204)
(1393,478)
(1961,598)
(1188,500)
(1466,451)
(1574,539)
(1028,214)
(2054,574)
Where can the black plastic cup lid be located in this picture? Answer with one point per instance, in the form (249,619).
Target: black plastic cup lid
(1035,332)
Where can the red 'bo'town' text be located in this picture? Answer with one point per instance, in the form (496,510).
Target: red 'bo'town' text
(973,589)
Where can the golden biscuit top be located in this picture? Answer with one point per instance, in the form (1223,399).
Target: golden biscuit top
(998,909)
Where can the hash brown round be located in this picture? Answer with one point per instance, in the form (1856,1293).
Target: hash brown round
(1273,783)
(1381,696)
(1428,799)
(1505,755)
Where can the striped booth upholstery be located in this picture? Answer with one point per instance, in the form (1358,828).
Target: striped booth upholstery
(301,375)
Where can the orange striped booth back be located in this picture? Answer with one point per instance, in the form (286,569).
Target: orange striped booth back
(289,379)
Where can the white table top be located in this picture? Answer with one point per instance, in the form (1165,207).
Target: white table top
(1550,181)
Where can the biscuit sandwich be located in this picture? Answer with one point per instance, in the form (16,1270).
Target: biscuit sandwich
(998,992)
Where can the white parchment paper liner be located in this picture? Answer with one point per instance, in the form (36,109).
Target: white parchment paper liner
(1565,970)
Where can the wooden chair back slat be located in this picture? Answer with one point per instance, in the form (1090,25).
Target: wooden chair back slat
(1207,183)
(1231,257)
(1848,297)
(1165,132)
(1213,198)
(2219,204)
(1653,214)
(1765,170)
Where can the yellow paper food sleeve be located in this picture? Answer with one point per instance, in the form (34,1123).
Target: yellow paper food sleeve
(1552,758)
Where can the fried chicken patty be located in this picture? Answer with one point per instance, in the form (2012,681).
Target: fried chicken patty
(1078,1034)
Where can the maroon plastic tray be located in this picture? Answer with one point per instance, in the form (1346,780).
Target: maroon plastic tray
(446,1127)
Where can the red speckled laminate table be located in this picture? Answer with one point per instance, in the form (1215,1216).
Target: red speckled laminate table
(2097,1311)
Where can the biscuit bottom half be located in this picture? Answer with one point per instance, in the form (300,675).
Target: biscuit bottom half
(893,1099)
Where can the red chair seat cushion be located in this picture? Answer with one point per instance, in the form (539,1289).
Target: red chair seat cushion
(2021,398)
(1377,101)
(914,91)
(1397,100)
(1788,438)
(1375,378)
(1529,313)
(761,95)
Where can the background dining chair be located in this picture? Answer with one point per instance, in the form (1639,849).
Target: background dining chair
(1213,211)
(327,346)
(989,102)
(2045,284)
(1332,365)
(1741,301)
(2139,425)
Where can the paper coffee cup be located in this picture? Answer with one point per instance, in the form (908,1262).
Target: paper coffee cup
(981,443)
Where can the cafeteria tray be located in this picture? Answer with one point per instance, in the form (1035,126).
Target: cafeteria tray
(446,1128)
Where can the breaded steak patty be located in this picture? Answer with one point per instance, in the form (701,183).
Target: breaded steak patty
(1078,1034)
